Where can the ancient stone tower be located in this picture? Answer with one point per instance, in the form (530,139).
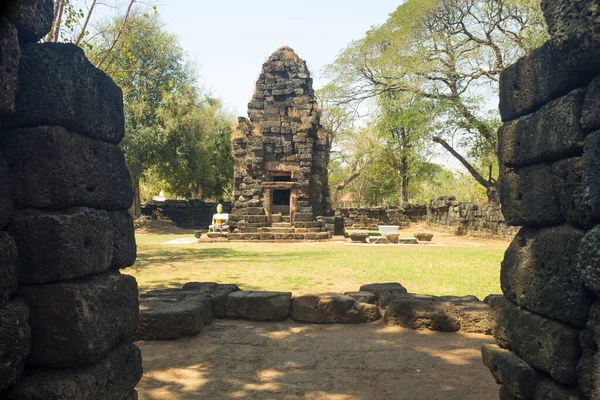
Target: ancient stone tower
(281,155)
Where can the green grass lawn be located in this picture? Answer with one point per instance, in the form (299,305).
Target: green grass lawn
(317,267)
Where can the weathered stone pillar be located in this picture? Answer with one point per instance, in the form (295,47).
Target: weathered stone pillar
(67,315)
(549,146)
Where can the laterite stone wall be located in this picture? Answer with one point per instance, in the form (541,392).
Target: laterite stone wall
(548,321)
(67,315)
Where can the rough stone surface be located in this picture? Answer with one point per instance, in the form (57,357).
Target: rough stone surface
(259,306)
(539,273)
(545,344)
(578,187)
(588,369)
(425,312)
(363,297)
(124,248)
(100,312)
(61,245)
(218,293)
(10,52)
(33,18)
(113,377)
(332,308)
(423,237)
(519,379)
(549,134)
(588,262)
(549,390)
(6,202)
(529,83)
(474,315)
(570,21)
(15,336)
(9,278)
(358,237)
(379,240)
(527,196)
(590,114)
(59,86)
(55,168)
(380,288)
(171,314)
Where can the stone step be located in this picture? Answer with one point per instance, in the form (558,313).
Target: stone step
(277,230)
(287,218)
(281,225)
(276,218)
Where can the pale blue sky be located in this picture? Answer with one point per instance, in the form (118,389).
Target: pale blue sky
(231,39)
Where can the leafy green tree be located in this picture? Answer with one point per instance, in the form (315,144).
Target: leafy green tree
(450,52)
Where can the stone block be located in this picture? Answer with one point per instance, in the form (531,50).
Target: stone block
(60,245)
(112,377)
(539,272)
(588,369)
(588,261)
(57,169)
(59,86)
(518,378)
(9,278)
(381,288)
(218,293)
(15,336)
(33,18)
(528,197)
(363,297)
(10,53)
(6,202)
(529,84)
(171,314)
(332,308)
(543,343)
(124,247)
(79,322)
(569,21)
(549,134)
(258,306)
(422,312)
(474,315)
(358,237)
(303,217)
(550,390)
(590,114)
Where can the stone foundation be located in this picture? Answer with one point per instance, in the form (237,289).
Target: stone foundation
(369,218)
(549,146)
(466,218)
(67,316)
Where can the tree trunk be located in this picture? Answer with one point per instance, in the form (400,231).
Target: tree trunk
(136,207)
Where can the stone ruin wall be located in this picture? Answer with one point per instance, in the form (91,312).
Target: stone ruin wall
(371,217)
(66,313)
(466,218)
(282,133)
(188,214)
(548,320)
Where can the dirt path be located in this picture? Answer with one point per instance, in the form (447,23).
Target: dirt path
(288,360)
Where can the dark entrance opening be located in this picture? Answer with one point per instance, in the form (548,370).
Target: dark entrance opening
(281,202)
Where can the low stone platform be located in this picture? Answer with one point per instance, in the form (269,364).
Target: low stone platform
(173,313)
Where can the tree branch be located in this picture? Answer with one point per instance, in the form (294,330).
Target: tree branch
(464,162)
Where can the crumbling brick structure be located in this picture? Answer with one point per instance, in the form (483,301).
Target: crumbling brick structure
(66,313)
(281,155)
(548,321)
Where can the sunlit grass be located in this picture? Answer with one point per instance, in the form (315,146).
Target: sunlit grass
(317,267)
